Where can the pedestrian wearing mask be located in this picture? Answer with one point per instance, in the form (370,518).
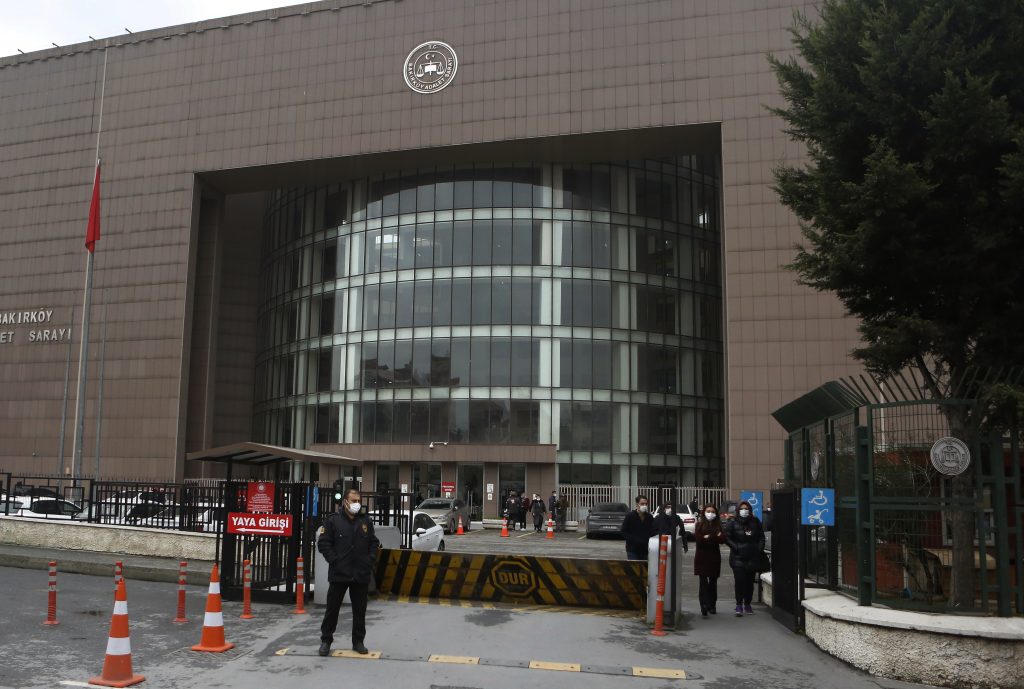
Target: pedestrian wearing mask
(513,507)
(524,509)
(707,561)
(638,527)
(745,538)
(668,523)
(537,508)
(350,548)
(561,512)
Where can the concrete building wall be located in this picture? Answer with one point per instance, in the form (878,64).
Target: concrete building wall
(324,80)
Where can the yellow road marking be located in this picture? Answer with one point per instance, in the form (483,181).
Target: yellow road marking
(659,672)
(372,655)
(454,660)
(528,533)
(559,667)
(281,652)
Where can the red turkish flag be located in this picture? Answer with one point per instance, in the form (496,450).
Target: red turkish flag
(92,235)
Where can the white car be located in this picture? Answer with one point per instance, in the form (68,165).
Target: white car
(202,517)
(45,508)
(426,534)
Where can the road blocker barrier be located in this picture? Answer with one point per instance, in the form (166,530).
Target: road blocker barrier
(580,582)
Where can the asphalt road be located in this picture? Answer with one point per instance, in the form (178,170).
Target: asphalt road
(722,652)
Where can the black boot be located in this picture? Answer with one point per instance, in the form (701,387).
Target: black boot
(325,648)
(358,647)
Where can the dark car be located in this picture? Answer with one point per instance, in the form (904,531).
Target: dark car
(606,518)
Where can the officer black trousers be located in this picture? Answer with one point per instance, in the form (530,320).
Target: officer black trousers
(335,594)
(708,593)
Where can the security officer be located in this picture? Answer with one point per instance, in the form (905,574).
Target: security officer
(350,548)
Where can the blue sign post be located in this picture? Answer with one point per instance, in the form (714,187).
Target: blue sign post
(756,500)
(818,507)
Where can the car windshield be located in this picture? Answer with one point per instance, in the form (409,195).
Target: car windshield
(610,507)
(435,504)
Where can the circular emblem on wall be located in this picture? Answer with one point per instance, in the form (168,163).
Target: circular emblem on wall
(815,465)
(430,67)
(950,456)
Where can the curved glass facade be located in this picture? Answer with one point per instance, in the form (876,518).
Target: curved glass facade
(578,305)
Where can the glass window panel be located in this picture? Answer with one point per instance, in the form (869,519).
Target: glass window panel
(462,243)
(407,199)
(443,244)
(371,306)
(524,417)
(406,247)
(522,242)
(522,301)
(481,288)
(385,364)
(462,301)
(600,198)
(481,242)
(581,249)
(444,196)
(368,365)
(390,205)
(419,423)
(501,237)
(425,197)
(403,364)
(342,257)
(323,419)
(565,363)
(482,191)
(388,306)
(324,382)
(582,364)
(602,304)
(420,363)
(521,360)
(463,190)
(602,356)
(404,305)
(582,303)
(480,361)
(460,361)
(458,421)
(425,245)
(501,301)
(388,238)
(440,362)
(328,260)
(502,193)
(373,242)
(422,312)
(522,188)
(325,322)
(400,422)
(439,422)
(501,361)
(335,207)
(538,242)
(600,244)
(441,304)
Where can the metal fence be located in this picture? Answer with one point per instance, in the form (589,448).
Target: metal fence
(582,498)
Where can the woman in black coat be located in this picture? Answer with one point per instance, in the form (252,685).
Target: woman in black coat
(745,538)
(707,562)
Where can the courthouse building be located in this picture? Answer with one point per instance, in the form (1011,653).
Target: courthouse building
(501,242)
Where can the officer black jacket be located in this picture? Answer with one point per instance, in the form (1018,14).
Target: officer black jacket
(638,530)
(349,546)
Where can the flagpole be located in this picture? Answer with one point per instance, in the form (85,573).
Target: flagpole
(99,395)
(83,352)
(64,405)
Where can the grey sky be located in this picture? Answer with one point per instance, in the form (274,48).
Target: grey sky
(35,24)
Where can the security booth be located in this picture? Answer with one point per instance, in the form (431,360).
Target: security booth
(267,520)
(891,498)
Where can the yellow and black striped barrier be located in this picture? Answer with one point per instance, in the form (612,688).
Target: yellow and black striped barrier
(619,584)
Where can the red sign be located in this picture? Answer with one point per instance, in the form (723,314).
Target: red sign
(448,488)
(260,524)
(260,497)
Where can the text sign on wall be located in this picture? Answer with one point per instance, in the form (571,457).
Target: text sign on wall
(260,524)
(818,507)
(260,497)
(448,488)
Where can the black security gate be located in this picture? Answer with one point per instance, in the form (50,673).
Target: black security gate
(785,577)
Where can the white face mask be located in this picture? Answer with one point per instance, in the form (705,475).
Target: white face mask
(354,507)
(642,508)
(710,515)
(744,513)
(668,510)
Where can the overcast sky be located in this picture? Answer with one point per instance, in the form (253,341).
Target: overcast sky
(36,24)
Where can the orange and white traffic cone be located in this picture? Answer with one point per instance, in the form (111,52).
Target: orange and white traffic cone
(117,666)
(459,531)
(551,528)
(504,527)
(212,640)
(300,588)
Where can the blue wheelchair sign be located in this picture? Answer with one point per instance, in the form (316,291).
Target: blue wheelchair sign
(818,507)
(756,500)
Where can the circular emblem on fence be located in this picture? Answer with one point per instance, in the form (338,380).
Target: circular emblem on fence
(514,579)
(950,456)
(430,67)
(815,465)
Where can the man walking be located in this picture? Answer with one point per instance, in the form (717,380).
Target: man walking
(350,548)
(638,527)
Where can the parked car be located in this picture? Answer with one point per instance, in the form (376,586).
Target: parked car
(687,516)
(202,517)
(45,508)
(130,507)
(606,519)
(426,535)
(446,512)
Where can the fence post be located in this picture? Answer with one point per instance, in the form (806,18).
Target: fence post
(865,576)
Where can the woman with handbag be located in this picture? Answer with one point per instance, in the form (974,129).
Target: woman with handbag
(707,562)
(745,538)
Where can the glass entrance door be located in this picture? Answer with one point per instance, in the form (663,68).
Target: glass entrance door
(471,488)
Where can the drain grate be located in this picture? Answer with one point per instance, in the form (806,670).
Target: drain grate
(229,654)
